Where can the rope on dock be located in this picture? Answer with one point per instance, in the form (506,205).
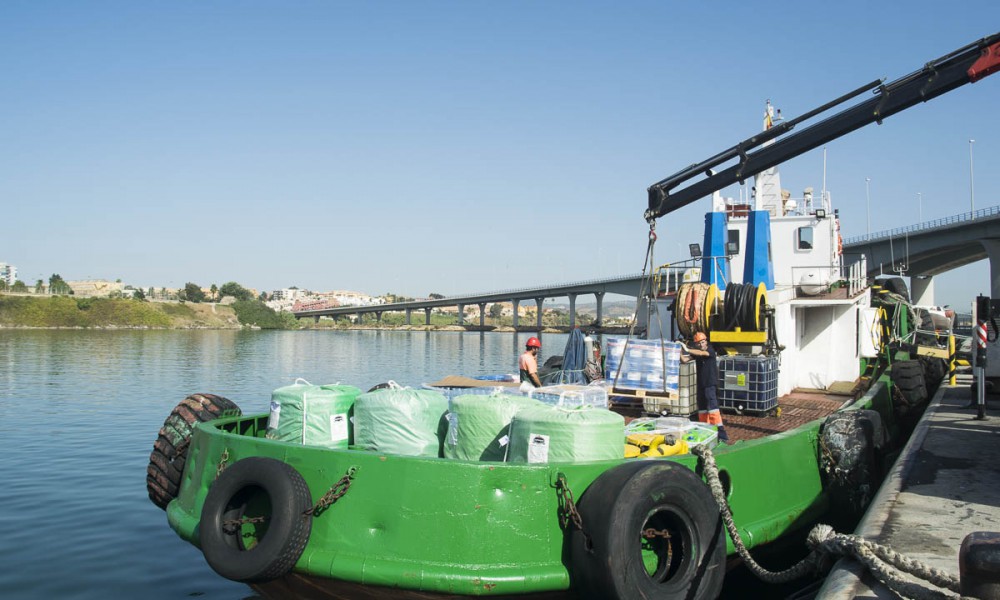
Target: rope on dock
(826,544)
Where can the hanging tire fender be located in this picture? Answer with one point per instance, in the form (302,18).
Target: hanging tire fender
(255,488)
(169,455)
(611,558)
(848,446)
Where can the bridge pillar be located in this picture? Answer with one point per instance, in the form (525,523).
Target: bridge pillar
(993,252)
(361,316)
(427,316)
(572,310)
(409,313)
(517,307)
(922,290)
(316,319)
(538,303)
(482,314)
(600,309)
(378,316)
(461,314)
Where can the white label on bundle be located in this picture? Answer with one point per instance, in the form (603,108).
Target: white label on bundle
(538,448)
(272,421)
(338,427)
(504,441)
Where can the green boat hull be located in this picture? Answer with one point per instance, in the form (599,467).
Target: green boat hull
(476,528)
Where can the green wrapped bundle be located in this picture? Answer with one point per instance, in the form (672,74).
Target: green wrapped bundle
(400,421)
(479,426)
(314,415)
(552,434)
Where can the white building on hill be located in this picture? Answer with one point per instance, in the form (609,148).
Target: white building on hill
(8,273)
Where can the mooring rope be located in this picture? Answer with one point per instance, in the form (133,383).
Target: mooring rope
(689,307)
(825,544)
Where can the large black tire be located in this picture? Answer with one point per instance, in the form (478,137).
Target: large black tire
(256,487)
(166,462)
(849,466)
(896,285)
(935,370)
(908,378)
(613,561)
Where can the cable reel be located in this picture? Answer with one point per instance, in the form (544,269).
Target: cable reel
(700,307)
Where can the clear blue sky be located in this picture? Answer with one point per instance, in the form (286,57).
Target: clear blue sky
(418,147)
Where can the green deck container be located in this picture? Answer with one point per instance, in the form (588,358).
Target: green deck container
(402,421)
(315,415)
(553,434)
(479,426)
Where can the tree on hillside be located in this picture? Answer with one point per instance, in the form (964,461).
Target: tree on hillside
(496,310)
(262,297)
(436,296)
(19,287)
(57,285)
(150,292)
(192,292)
(235,290)
(138,294)
(3,285)
(215,291)
(39,286)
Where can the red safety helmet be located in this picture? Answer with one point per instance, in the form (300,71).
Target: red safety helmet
(534,342)
(699,337)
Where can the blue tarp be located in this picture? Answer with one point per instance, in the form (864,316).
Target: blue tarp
(574,358)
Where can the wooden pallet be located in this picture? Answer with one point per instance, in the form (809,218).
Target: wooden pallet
(655,401)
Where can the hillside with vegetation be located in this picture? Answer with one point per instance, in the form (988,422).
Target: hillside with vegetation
(121,313)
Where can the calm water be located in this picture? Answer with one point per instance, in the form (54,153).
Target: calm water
(79,411)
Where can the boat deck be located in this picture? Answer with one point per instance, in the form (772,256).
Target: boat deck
(797,408)
(793,410)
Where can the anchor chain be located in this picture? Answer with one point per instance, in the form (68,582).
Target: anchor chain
(650,533)
(567,508)
(825,544)
(223,462)
(336,492)
(233,526)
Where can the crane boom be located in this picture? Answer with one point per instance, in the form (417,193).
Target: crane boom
(965,65)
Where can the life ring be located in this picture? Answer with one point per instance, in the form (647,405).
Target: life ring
(166,462)
(614,560)
(849,443)
(249,488)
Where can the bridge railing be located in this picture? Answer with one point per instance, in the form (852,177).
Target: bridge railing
(516,291)
(925,226)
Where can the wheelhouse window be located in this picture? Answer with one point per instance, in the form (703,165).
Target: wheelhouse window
(805,238)
(733,241)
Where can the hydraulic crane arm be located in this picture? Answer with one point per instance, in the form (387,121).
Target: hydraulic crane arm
(965,65)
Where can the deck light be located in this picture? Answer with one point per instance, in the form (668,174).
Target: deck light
(695,250)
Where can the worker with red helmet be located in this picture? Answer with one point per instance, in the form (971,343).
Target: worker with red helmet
(528,365)
(708,379)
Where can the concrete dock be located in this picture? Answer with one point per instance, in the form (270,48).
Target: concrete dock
(945,485)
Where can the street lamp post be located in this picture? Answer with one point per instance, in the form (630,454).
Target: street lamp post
(868,197)
(972,182)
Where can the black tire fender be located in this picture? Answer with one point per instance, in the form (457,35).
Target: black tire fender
(250,488)
(613,560)
(169,455)
(908,378)
(849,441)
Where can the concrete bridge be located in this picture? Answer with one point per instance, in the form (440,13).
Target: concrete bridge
(626,285)
(927,249)
(918,251)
